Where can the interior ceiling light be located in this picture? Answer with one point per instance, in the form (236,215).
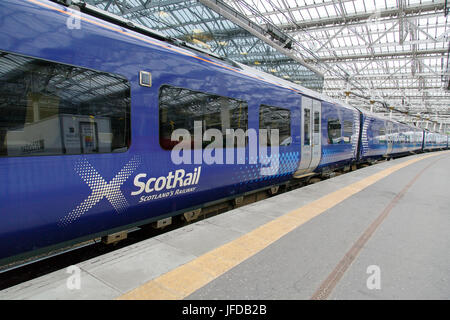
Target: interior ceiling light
(201,43)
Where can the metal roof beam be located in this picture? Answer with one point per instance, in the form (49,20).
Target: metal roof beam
(436,52)
(397,75)
(386,88)
(262,33)
(364,16)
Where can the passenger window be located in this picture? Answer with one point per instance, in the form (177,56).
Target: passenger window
(348,131)
(334,131)
(274,118)
(382,136)
(179,108)
(48,108)
(316,122)
(316,128)
(306,127)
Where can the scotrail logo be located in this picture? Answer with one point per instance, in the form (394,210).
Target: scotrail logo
(175,183)
(101,189)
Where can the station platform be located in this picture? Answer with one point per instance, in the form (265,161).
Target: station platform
(380,232)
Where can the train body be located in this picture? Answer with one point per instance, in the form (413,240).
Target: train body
(87,114)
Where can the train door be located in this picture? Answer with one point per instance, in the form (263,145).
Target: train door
(311,111)
(390,138)
(316,130)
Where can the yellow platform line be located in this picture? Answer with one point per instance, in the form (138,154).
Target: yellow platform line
(188,278)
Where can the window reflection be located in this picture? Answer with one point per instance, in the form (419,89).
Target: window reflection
(48,108)
(275,118)
(179,108)
(334,131)
(348,131)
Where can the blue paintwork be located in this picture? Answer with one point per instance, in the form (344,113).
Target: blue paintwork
(435,141)
(37,192)
(340,154)
(375,144)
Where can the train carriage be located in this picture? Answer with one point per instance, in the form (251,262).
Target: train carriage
(88,116)
(385,138)
(435,141)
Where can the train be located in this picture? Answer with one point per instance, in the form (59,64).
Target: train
(88,111)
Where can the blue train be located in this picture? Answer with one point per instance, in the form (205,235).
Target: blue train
(87,113)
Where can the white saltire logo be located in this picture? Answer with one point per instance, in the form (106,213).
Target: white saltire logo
(101,189)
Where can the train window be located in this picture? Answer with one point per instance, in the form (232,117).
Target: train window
(382,136)
(306,126)
(334,131)
(179,108)
(47,108)
(274,118)
(348,131)
(316,122)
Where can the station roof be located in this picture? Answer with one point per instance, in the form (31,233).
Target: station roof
(391,52)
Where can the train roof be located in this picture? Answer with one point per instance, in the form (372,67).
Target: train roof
(293,86)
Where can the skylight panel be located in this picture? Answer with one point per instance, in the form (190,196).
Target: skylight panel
(370,5)
(349,8)
(282,18)
(305,14)
(259,6)
(422,46)
(347,41)
(314,14)
(379,4)
(331,10)
(415,2)
(359,5)
(297,15)
(335,43)
(291,3)
(322,12)
(353,40)
(391,3)
(390,38)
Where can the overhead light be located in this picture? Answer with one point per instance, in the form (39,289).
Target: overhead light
(163,14)
(286,77)
(273,70)
(257,62)
(223,43)
(244,53)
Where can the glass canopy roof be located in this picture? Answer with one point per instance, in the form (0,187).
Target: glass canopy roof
(386,55)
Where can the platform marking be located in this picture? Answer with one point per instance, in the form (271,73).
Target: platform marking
(327,286)
(188,278)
